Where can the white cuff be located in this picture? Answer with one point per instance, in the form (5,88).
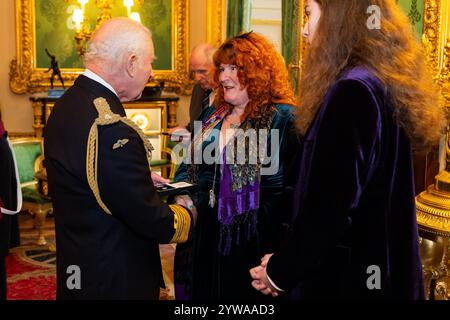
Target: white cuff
(273,284)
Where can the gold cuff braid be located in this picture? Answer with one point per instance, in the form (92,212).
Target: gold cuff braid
(181,223)
(106,117)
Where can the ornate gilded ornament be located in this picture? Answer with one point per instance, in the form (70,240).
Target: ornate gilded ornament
(433,205)
(142,120)
(432,32)
(216,13)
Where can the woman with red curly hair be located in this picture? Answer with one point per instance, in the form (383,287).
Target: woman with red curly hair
(241,193)
(367,102)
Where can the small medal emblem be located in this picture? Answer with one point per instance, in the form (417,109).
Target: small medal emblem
(120,143)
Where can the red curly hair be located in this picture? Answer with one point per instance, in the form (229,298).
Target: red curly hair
(261,69)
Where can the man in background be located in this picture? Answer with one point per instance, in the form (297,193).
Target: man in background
(202,70)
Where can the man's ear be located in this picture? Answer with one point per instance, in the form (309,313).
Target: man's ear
(131,65)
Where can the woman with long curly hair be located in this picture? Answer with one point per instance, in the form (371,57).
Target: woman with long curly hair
(367,102)
(241,194)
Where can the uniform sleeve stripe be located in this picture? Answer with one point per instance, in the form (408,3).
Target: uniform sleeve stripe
(181,223)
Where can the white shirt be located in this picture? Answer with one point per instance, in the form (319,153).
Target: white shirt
(212,95)
(91,75)
(273,284)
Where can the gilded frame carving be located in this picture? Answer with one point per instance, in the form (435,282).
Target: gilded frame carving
(435,32)
(25,77)
(295,69)
(216,14)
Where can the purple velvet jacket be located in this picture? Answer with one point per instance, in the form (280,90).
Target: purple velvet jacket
(354,202)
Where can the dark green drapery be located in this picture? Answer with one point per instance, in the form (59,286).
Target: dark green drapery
(291,15)
(238,17)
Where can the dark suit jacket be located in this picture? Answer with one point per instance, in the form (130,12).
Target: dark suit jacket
(196,106)
(118,254)
(9,231)
(354,201)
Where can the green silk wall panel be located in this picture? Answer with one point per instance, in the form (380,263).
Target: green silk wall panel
(415,10)
(55,30)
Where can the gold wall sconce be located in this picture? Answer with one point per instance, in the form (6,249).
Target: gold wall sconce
(81,19)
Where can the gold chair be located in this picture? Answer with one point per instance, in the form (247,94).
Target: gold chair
(29,157)
(167,164)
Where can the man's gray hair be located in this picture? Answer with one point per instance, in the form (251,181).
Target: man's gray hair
(206,49)
(209,53)
(122,35)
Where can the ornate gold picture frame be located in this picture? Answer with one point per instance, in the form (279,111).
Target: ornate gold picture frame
(26,77)
(436,30)
(216,14)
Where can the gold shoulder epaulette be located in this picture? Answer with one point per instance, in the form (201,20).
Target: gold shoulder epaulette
(181,223)
(106,117)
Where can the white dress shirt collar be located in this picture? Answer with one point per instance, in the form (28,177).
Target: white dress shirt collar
(91,75)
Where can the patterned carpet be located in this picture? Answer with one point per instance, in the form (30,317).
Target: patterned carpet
(28,279)
(31,269)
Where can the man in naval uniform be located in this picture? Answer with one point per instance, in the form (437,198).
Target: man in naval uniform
(109,218)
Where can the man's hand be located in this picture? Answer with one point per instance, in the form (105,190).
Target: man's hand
(265,259)
(260,280)
(157,179)
(174,129)
(187,202)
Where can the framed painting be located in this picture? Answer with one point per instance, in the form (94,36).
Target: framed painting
(47,25)
(429,20)
(215,21)
(428,17)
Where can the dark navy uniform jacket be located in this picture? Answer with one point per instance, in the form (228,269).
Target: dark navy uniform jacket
(118,254)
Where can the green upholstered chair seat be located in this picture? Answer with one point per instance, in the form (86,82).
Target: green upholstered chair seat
(171,144)
(158,163)
(31,194)
(28,152)
(26,155)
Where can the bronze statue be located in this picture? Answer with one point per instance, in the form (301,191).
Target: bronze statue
(55,69)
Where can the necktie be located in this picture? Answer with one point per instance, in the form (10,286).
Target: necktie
(205,102)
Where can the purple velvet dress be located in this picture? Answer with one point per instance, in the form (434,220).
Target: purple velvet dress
(355,233)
